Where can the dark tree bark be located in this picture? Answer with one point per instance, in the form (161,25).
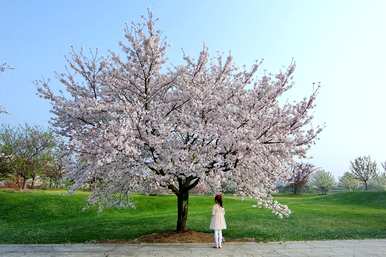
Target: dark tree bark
(182,214)
(295,189)
(182,193)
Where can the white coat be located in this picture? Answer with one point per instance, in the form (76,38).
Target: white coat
(218,220)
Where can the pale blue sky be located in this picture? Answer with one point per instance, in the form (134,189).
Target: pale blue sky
(339,43)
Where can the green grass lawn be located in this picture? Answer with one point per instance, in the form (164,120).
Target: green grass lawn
(56,217)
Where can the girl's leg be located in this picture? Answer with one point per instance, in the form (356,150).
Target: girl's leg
(220,238)
(215,238)
(216,235)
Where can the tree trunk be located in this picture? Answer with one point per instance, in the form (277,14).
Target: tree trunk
(295,189)
(366,185)
(33,182)
(182,193)
(182,213)
(17,182)
(23,183)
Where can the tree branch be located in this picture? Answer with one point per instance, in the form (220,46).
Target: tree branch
(193,184)
(174,189)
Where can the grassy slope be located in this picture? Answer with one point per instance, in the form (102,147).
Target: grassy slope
(54,217)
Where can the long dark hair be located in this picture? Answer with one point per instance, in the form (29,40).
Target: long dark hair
(218,199)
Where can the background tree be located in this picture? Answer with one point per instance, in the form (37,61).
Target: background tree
(349,182)
(54,165)
(300,174)
(5,169)
(378,183)
(131,120)
(323,181)
(364,169)
(27,148)
(7,145)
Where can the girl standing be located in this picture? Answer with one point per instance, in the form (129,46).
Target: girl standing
(217,222)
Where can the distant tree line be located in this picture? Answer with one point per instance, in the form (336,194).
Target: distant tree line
(363,174)
(31,156)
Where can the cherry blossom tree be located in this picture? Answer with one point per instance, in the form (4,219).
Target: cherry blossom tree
(300,174)
(131,120)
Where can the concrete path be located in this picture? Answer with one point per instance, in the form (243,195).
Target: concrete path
(339,248)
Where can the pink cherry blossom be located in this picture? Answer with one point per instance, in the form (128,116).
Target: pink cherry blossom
(132,120)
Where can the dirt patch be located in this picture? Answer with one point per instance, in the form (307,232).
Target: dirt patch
(174,237)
